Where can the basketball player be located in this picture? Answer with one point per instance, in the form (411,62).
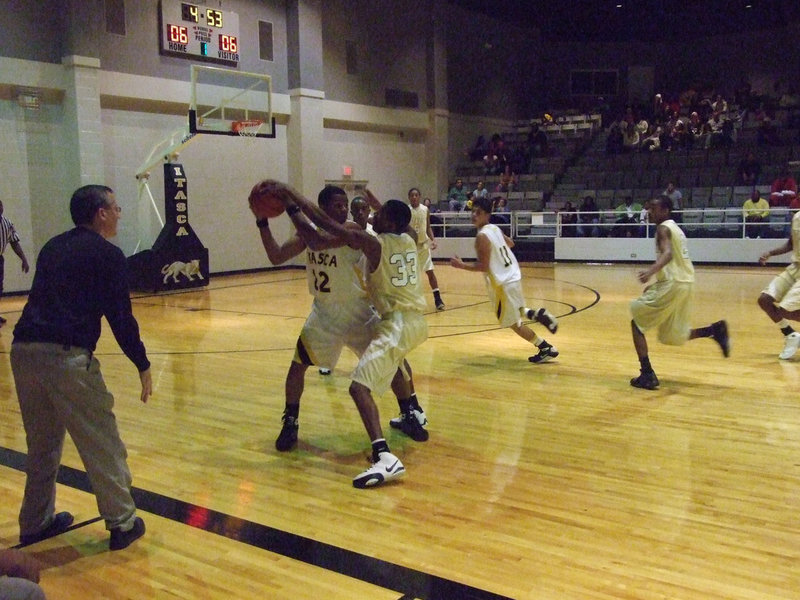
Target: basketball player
(504,281)
(394,288)
(421,223)
(666,303)
(781,298)
(341,314)
(359,209)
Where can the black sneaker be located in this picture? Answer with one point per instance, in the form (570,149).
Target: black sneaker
(543,317)
(440,304)
(410,425)
(720,335)
(2,321)
(58,525)
(545,354)
(646,381)
(287,438)
(122,539)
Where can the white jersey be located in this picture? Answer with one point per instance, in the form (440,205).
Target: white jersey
(796,237)
(503,265)
(395,283)
(680,268)
(335,275)
(419,223)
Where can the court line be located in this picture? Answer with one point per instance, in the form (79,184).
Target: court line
(409,582)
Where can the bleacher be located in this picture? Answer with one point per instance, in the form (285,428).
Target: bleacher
(706,177)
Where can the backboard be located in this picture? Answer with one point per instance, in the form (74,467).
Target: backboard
(228,102)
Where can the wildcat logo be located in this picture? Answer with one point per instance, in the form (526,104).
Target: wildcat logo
(188,270)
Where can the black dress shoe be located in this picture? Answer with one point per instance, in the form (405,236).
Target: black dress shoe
(122,539)
(59,524)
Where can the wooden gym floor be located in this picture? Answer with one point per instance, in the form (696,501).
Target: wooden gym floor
(557,481)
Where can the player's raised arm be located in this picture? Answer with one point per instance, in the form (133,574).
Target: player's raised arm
(353,236)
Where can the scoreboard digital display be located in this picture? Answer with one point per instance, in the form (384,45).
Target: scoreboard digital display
(199,32)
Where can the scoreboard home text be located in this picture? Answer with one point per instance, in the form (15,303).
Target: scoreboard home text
(199,32)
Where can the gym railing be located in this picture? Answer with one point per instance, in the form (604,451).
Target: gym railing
(695,222)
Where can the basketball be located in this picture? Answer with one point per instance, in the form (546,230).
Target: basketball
(264,201)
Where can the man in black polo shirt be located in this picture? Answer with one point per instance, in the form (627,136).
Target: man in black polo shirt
(80,277)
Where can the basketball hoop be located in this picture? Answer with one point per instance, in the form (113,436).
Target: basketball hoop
(248,128)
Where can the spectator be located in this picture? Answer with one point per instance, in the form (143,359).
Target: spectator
(749,170)
(588,218)
(716,131)
(480,191)
(659,109)
(644,219)
(678,137)
(674,194)
(755,210)
(615,140)
(501,215)
(537,142)
(630,138)
(500,205)
(696,130)
(767,134)
(627,214)
(496,157)
(478,151)
(653,140)
(569,220)
(457,197)
(783,190)
(508,181)
(431,208)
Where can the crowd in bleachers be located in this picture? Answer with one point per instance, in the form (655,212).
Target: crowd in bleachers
(715,154)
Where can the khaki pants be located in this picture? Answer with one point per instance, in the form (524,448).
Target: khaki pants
(61,389)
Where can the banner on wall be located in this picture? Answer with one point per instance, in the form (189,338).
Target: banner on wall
(178,260)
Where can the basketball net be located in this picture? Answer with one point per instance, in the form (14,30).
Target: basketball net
(248,128)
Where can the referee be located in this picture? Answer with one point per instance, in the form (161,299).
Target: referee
(8,235)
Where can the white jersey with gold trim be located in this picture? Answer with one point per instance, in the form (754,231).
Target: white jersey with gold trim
(419,223)
(680,268)
(335,274)
(503,265)
(395,283)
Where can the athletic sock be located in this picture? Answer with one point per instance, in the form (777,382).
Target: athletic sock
(405,405)
(292,410)
(379,446)
(645,364)
(414,402)
(785,327)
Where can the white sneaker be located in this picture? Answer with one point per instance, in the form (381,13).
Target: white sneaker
(387,468)
(397,422)
(790,347)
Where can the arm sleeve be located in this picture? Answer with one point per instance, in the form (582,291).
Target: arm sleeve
(119,314)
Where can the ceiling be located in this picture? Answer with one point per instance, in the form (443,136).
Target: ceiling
(642,20)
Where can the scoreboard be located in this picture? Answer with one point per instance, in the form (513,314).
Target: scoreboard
(199,32)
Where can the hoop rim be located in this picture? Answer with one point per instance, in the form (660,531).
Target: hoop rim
(247,127)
